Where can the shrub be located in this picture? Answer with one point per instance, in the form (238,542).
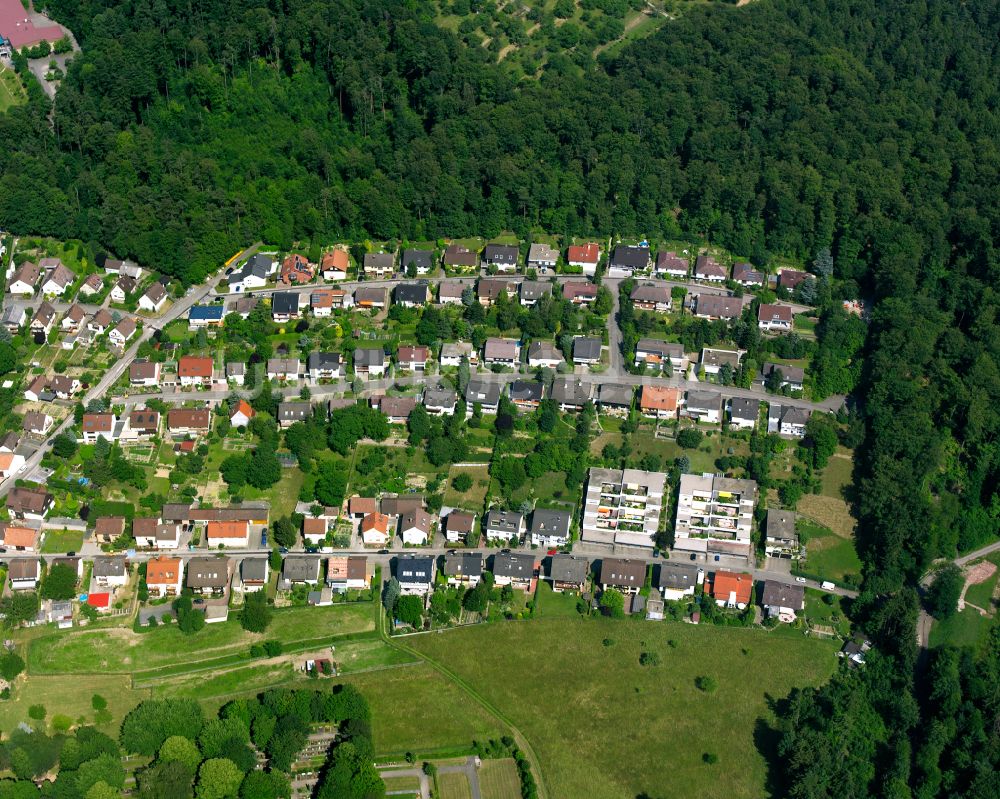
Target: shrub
(36,712)
(710,757)
(706,684)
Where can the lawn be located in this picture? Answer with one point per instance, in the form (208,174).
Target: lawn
(454,786)
(282,495)
(472,499)
(57,541)
(121,651)
(394,784)
(226,683)
(827,615)
(831,506)
(11,91)
(71,698)
(599,721)
(966,628)
(644,442)
(828,556)
(551,604)
(498,779)
(416,709)
(368,655)
(981,594)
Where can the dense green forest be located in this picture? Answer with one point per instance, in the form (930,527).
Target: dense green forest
(188,129)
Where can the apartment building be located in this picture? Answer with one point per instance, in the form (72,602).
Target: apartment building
(623,506)
(715,515)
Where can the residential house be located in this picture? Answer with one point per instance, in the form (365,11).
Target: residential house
(526,394)
(195,371)
(154,298)
(670,264)
(397,409)
(98,425)
(542,257)
(651,297)
(241,414)
(659,402)
(450,291)
(412,359)
(141,423)
(415,574)
(375,529)
(108,528)
(502,352)
(779,376)
(453,353)
(781,540)
(791,279)
(411,295)
(774,318)
(622,574)
(73,318)
(36,389)
(571,393)
(705,406)
(207,575)
(516,569)
(678,580)
(186,421)
(253,274)
(715,306)
(504,525)
(9,442)
(10,464)
(37,424)
(415,527)
(29,504)
(714,515)
(296,270)
(627,259)
(109,571)
(379,265)
(461,257)
(100,321)
(164,575)
(490,288)
(787,420)
(713,361)
(615,398)
(122,332)
(23,574)
(286,305)
(544,354)
(334,265)
(370,297)
(284,369)
(43,319)
(659,355)
(298,569)
(743,413)
(586,350)
(732,589)
(371,361)
(440,401)
(463,568)
(236,372)
(348,573)
(206,316)
(227,533)
(532,291)
(91,285)
(314,530)
(584,256)
(746,275)
(123,287)
(253,574)
(549,528)
(291,412)
(708,269)
(483,393)
(14,317)
(568,572)
(421,260)
(323,365)
(502,256)
(58,279)
(623,507)
(19,537)
(579,292)
(113,266)
(459,526)
(24,279)
(151,533)
(321,303)
(144,373)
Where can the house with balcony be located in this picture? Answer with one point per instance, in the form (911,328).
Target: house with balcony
(656,355)
(623,506)
(715,515)
(780,537)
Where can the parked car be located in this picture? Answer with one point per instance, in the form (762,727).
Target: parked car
(800,579)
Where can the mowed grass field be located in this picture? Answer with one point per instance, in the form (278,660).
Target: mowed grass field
(454,786)
(498,779)
(11,90)
(603,725)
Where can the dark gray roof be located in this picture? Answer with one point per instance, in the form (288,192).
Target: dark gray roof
(207,573)
(504,520)
(783,595)
(113,566)
(378,260)
(294,411)
(615,394)
(422,259)
(678,576)
(285,302)
(572,391)
(369,356)
(743,408)
(415,293)
(300,569)
(514,564)
(526,391)
(483,392)
(535,289)
(550,522)
(258,266)
(500,253)
(665,349)
(467,563)
(704,400)
(415,569)
(253,569)
(587,347)
(324,360)
(440,397)
(792,374)
(630,256)
(568,568)
(781,523)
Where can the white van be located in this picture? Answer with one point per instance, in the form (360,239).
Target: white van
(826,585)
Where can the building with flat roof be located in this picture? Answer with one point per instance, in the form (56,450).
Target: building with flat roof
(623,506)
(715,515)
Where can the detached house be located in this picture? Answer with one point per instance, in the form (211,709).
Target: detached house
(571,393)
(253,574)
(371,297)
(659,355)
(18,537)
(189,421)
(44,317)
(783,600)
(207,576)
(791,279)
(144,373)
(743,413)
(350,573)
(227,534)
(544,354)
(787,420)
(440,401)
(206,316)
(584,256)
(705,406)
(323,365)
(151,533)
(459,526)
(411,295)
(314,530)
(774,318)
(291,412)
(109,571)
(615,398)
(379,265)
(622,574)
(670,264)
(100,321)
(533,290)
(141,423)
(450,291)
(371,361)
(549,528)
(490,288)
(37,424)
(14,317)
(98,425)
(284,369)
(542,257)
(298,569)
(651,297)
(659,402)
(413,359)
(73,318)
(732,589)
(24,279)
(579,292)
(586,350)
(628,259)
(502,352)
(415,574)
(241,414)
(253,274)
(713,360)
(58,279)
(375,529)
(122,332)
(398,409)
(195,371)
(123,287)
(504,525)
(421,260)
(516,569)
(91,285)
(460,257)
(526,394)
(483,393)
(334,265)
(781,538)
(568,572)
(678,580)
(746,275)
(154,298)
(708,269)
(23,574)
(502,256)
(415,527)
(285,305)
(164,575)
(10,464)
(452,353)
(296,270)
(463,568)
(715,306)
(790,377)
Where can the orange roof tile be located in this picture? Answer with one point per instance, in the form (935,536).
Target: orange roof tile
(659,398)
